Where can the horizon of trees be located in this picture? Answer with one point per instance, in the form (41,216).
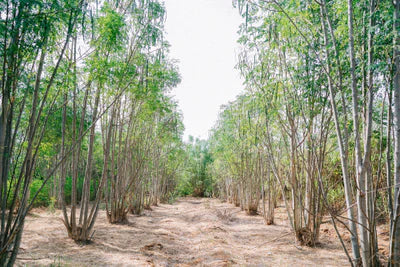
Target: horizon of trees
(319,123)
(86,115)
(87,120)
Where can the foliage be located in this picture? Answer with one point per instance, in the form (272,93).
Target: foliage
(196,179)
(70,67)
(43,198)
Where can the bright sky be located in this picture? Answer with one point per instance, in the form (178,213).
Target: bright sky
(202,34)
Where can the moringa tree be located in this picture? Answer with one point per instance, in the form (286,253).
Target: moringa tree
(35,37)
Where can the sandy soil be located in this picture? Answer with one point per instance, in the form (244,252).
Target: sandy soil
(191,232)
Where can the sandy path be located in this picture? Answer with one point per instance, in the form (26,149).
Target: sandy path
(191,232)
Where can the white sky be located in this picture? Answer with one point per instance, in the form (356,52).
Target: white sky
(202,34)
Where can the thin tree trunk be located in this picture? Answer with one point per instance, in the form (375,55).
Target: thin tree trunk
(395,235)
(343,154)
(360,170)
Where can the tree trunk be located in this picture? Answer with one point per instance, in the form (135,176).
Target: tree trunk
(395,235)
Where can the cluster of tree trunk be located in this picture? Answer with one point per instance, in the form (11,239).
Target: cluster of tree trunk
(321,115)
(28,100)
(85,111)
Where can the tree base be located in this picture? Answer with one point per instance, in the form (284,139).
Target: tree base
(305,237)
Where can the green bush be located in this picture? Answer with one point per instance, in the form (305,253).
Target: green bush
(68,189)
(43,198)
(336,199)
(52,205)
(184,187)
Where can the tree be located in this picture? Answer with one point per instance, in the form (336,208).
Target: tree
(31,61)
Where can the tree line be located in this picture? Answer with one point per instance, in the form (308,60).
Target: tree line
(87,120)
(319,124)
(86,117)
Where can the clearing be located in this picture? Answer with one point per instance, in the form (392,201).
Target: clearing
(190,232)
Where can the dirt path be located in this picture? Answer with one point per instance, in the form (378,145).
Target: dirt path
(202,232)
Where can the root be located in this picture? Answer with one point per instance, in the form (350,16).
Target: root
(148,207)
(269,221)
(305,237)
(119,218)
(252,211)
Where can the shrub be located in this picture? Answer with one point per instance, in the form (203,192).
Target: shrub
(336,199)
(52,205)
(43,198)
(184,188)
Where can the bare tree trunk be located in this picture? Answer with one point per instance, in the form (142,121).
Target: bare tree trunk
(360,173)
(395,234)
(369,185)
(342,142)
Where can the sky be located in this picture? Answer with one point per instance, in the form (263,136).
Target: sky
(203,37)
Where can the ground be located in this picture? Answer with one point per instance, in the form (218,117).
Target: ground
(190,232)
